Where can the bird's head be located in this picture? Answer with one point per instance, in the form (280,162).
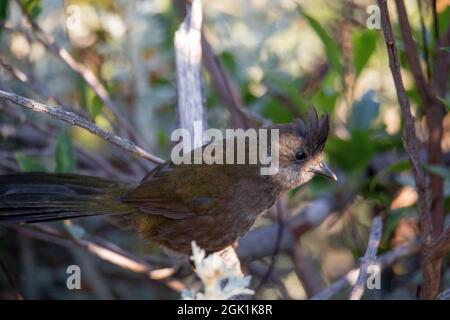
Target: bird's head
(301,151)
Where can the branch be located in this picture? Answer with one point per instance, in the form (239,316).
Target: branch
(438,248)
(110,253)
(37,87)
(306,273)
(368,259)
(411,142)
(350,277)
(265,238)
(71,118)
(445,295)
(188,53)
(188,56)
(434,111)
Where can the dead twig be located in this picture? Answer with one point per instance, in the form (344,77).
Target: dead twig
(368,259)
(412,145)
(117,257)
(383,261)
(75,120)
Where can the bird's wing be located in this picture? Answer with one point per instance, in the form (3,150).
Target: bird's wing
(181,191)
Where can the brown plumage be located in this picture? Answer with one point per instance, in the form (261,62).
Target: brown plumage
(175,204)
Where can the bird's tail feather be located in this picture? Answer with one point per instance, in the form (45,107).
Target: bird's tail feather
(38,197)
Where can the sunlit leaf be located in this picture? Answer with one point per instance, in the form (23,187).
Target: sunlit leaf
(32,7)
(29,164)
(64,154)
(446,103)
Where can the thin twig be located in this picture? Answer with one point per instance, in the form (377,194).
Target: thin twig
(423,30)
(412,146)
(281,215)
(368,259)
(383,261)
(438,248)
(444,295)
(434,111)
(34,85)
(75,120)
(188,57)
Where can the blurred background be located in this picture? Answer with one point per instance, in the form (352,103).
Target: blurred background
(280,57)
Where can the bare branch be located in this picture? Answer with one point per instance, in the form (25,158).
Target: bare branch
(71,118)
(411,142)
(368,259)
(306,273)
(117,256)
(350,277)
(188,54)
(445,295)
(438,248)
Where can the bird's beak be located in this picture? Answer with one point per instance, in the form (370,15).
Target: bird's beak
(323,170)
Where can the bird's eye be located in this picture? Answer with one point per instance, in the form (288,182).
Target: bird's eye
(300,155)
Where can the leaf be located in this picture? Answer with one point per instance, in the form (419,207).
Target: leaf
(331,48)
(64,154)
(32,7)
(364,112)
(440,171)
(29,164)
(446,103)
(275,112)
(445,49)
(90,101)
(4,9)
(364,44)
(399,166)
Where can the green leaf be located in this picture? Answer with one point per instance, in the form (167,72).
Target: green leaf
(364,112)
(351,155)
(32,7)
(332,49)
(446,103)
(440,171)
(64,154)
(391,222)
(364,44)
(275,112)
(90,101)
(445,49)
(399,166)
(4,9)
(29,164)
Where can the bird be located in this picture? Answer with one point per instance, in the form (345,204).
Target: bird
(175,204)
